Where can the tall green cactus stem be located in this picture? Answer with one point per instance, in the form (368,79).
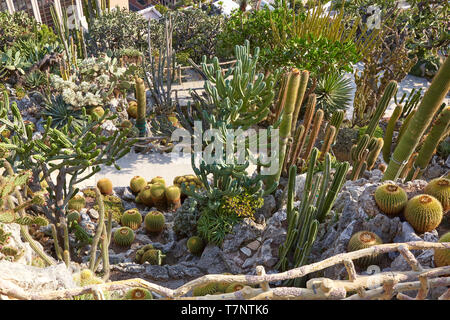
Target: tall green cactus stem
(373,154)
(405,124)
(286,121)
(309,113)
(317,200)
(318,118)
(360,165)
(389,132)
(439,130)
(141,106)
(300,96)
(388,93)
(99,231)
(426,110)
(56,242)
(336,120)
(329,138)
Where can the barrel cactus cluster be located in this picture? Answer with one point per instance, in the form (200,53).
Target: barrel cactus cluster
(424,211)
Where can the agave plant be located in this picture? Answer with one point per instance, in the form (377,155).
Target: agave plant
(35,79)
(60,112)
(333,93)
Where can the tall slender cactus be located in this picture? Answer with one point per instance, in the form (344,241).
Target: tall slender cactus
(426,110)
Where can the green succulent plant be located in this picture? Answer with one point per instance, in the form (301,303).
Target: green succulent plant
(138,294)
(77,203)
(363,240)
(442,256)
(195,245)
(440,189)
(333,93)
(154,221)
(131,218)
(423,212)
(391,199)
(61,113)
(153,257)
(209,288)
(124,236)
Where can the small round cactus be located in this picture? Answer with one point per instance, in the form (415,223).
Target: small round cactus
(423,212)
(98,112)
(126,124)
(157,193)
(363,240)
(145,196)
(440,189)
(131,218)
(124,236)
(442,256)
(138,294)
(234,287)
(132,109)
(73,215)
(137,183)
(154,221)
(153,257)
(195,245)
(222,285)
(105,186)
(391,199)
(77,203)
(141,251)
(209,288)
(159,180)
(173,196)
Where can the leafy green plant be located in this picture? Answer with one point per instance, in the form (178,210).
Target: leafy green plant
(35,79)
(12,64)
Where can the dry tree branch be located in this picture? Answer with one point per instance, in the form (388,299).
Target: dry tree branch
(381,286)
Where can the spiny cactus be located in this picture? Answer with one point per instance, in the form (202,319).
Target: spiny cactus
(195,245)
(153,256)
(141,122)
(440,189)
(363,240)
(318,118)
(77,203)
(124,236)
(145,196)
(158,180)
(373,154)
(131,218)
(186,217)
(292,88)
(154,221)
(423,212)
(173,194)
(234,287)
(418,124)
(157,193)
(138,294)
(439,130)
(132,109)
(209,288)
(303,222)
(391,199)
(105,186)
(390,131)
(137,183)
(442,256)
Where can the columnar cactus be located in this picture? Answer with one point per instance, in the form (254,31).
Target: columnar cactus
(439,130)
(390,131)
(427,108)
(141,123)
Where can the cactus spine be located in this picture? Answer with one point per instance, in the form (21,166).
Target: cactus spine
(318,118)
(329,138)
(132,219)
(124,236)
(154,221)
(373,155)
(429,105)
(137,183)
(439,130)
(389,132)
(299,101)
